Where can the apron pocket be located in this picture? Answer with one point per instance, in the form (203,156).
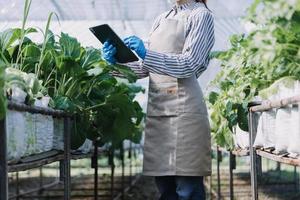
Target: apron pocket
(163,99)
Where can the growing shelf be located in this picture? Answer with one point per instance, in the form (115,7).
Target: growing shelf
(259,153)
(35,161)
(237,151)
(278,158)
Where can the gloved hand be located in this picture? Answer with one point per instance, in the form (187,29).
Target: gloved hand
(137,45)
(109,52)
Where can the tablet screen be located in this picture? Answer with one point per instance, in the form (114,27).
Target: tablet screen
(104,33)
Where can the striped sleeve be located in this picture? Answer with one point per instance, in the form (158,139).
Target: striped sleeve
(195,55)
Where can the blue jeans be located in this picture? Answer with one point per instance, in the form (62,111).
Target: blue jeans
(180,187)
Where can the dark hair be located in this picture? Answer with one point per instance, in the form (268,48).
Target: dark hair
(204,2)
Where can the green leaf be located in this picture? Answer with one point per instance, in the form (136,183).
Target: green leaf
(63,103)
(90,57)
(79,130)
(242,114)
(213,96)
(70,47)
(126,71)
(67,65)
(216,54)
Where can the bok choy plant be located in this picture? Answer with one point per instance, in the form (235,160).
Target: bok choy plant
(78,80)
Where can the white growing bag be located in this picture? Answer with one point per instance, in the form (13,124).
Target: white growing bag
(268,128)
(294,142)
(16,136)
(283,129)
(18,95)
(294,138)
(235,141)
(242,138)
(58,134)
(31,141)
(86,147)
(259,139)
(44,126)
(284,123)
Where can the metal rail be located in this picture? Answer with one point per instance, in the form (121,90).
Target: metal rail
(63,157)
(3,162)
(232,166)
(38,110)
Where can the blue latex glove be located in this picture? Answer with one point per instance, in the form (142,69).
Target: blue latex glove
(137,45)
(109,52)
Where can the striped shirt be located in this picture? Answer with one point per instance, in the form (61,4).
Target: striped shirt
(194,59)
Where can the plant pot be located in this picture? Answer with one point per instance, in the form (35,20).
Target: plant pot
(259,138)
(268,128)
(242,138)
(58,134)
(283,129)
(16,136)
(31,141)
(294,138)
(44,126)
(86,147)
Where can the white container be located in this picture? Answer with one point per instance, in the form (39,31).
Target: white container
(268,128)
(259,139)
(242,138)
(16,135)
(86,147)
(18,95)
(283,129)
(235,142)
(294,138)
(44,128)
(58,134)
(31,141)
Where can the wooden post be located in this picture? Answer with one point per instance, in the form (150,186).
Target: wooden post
(253,155)
(123,170)
(218,173)
(3,162)
(94,163)
(66,161)
(231,167)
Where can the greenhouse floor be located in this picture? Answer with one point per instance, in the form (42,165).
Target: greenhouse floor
(271,188)
(274,185)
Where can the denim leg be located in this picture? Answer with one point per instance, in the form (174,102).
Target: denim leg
(167,187)
(190,188)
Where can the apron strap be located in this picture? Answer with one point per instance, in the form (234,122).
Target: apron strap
(174,8)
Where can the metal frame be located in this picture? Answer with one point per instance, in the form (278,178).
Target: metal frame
(232,166)
(54,156)
(3,162)
(257,154)
(232,161)
(5,168)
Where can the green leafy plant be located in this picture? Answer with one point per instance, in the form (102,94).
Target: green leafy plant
(77,79)
(270,51)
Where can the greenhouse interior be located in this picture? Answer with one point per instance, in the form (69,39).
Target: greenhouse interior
(150,100)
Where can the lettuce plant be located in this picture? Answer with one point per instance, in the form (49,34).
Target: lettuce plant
(269,52)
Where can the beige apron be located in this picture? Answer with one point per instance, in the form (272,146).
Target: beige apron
(177,140)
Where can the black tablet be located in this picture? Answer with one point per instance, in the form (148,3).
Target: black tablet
(104,33)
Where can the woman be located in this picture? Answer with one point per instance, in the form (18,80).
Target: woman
(177,134)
